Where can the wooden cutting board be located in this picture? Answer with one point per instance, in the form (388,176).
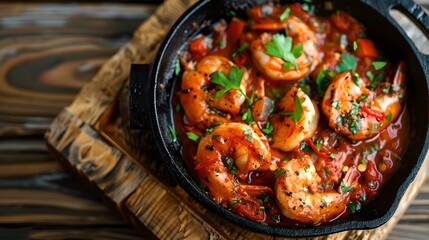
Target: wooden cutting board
(93,138)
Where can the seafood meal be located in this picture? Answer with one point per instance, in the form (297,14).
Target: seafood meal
(287,117)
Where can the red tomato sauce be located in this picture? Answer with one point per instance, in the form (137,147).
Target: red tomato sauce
(376,158)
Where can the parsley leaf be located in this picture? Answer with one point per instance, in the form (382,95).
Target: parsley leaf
(378,64)
(233,81)
(281,47)
(348,62)
(353,206)
(297,114)
(322,82)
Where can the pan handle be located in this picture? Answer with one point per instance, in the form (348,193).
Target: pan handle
(139,74)
(413,11)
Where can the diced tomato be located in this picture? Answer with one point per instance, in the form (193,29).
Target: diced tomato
(235,29)
(297,9)
(240,59)
(365,48)
(198,48)
(340,20)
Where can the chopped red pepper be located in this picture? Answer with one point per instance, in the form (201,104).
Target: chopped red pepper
(235,29)
(322,154)
(373,113)
(299,12)
(240,59)
(365,48)
(198,48)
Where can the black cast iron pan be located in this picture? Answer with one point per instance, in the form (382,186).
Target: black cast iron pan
(151,109)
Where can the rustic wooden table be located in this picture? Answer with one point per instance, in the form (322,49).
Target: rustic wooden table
(47,52)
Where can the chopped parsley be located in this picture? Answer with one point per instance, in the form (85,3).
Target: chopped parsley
(344,188)
(355,46)
(322,82)
(240,49)
(378,64)
(178,107)
(348,62)
(303,146)
(281,47)
(336,105)
(332,156)
(324,203)
(264,197)
(249,135)
(268,129)
(173,133)
(307,168)
(192,136)
(353,206)
(275,218)
(389,116)
(363,197)
(247,116)
(285,14)
(177,67)
(233,202)
(227,161)
(233,170)
(202,187)
(210,129)
(278,172)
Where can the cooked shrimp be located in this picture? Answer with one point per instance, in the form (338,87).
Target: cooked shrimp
(300,197)
(230,151)
(199,100)
(287,134)
(273,67)
(359,113)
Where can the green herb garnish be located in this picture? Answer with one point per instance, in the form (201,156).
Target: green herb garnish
(240,49)
(285,14)
(173,133)
(389,117)
(192,136)
(297,114)
(177,67)
(378,64)
(355,46)
(278,172)
(348,62)
(233,81)
(268,129)
(281,47)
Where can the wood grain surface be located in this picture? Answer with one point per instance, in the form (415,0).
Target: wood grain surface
(48,52)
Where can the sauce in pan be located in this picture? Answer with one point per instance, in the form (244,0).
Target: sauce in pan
(287,117)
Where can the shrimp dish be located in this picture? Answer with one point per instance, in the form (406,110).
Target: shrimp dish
(289,118)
